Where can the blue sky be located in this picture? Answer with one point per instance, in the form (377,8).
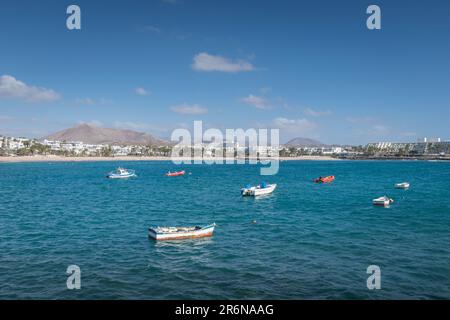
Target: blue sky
(310,68)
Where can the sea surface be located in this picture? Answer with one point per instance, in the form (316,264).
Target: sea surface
(304,241)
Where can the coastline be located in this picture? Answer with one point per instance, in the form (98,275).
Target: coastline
(53,158)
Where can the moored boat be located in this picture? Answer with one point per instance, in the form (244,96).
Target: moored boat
(258,190)
(324,179)
(121,173)
(403,185)
(178,233)
(382,201)
(175,174)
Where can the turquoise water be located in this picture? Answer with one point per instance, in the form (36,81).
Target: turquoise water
(309,241)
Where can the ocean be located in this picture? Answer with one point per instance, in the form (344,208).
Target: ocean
(304,241)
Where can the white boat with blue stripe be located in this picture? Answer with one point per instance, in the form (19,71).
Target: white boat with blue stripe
(258,190)
(178,233)
(121,173)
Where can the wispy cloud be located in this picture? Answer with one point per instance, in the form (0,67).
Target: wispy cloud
(91,101)
(182,35)
(376,130)
(189,109)
(352,119)
(290,128)
(130,125)
(150,28)
(10,87)
(141,91)
(316,113)
(294,124)
(206,62)
(258,102)
(265,90)
(87,101)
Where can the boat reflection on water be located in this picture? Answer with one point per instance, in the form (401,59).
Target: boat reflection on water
(183,243)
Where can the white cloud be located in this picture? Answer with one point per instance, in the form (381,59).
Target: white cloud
(294,127)
(361,119)
(189,109)
(87,101)
(129,125)
(141,91)
(285,123)
(10,87)
(207,62)
(316,113)
(90,101)
(256,101)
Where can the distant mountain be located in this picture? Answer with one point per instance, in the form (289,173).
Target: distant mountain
(98,135)
(304,142)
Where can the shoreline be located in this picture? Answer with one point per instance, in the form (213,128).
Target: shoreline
(53,158)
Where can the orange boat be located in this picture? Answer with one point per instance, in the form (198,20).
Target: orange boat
(324,179)
(175,174)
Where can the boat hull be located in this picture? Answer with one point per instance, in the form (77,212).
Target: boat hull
(118,176)
(175,174)
(324,180)
(383,202)
(402,186)
(200,233)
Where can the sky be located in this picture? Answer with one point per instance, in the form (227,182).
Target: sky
(309,68)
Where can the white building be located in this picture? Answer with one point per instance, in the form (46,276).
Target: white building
(54,145)
(121,150)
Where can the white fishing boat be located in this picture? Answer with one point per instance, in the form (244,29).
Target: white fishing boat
(121,173)
(403,185)
(382,201)
(178,233)
(259,190)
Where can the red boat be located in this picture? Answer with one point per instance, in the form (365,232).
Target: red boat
(175,174)
(324,179)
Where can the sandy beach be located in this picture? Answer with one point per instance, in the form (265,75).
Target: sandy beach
(53,158)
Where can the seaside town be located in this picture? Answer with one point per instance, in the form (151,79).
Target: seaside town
(426,148)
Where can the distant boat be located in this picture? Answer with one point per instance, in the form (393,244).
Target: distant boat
(121,173)
(178,233)
(403,185)
(324,179)
(261,189)
(382,201)
(175,174)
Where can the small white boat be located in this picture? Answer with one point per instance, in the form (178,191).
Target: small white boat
(121,173)
(382,201)
(258,190)
(178,233)
(403,185)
